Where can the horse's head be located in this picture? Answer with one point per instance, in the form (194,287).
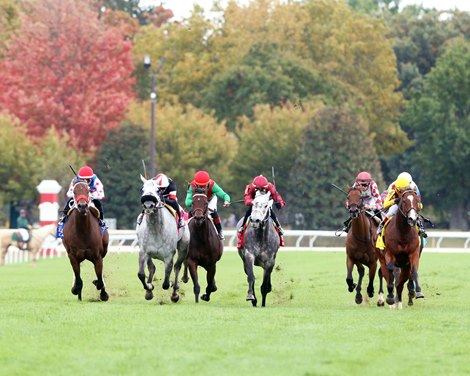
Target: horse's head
(199,209)
(150,197)
(354,202)
(409,206)
(81,196)
(261,206)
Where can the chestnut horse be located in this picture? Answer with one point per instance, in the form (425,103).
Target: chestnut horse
(402,249)
(83,239)
(205,246)
(360,245)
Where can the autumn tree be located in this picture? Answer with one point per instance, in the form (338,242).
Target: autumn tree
(66,69)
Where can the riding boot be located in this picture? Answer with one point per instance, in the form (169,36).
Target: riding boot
(218,226)
(180,221)
(240,236)
(421,230)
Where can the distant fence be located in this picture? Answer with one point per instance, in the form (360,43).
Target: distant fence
(296,240)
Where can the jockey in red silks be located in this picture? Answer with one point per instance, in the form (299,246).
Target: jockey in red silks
(370,195)
(260,183)
(96,194)
(203,181)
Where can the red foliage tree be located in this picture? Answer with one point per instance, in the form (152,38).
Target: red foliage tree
(67,69)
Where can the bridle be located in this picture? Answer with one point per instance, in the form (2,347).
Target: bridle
(262,210)
(151,198)
(200,212)
(80,200)
(408,214)
(355,208)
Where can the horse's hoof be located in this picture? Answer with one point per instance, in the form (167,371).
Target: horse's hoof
(358,299)
(74,291)
(410,302)
(175,298)
(104,296)
(380,303)
(185,279)
(148,295)
(165,286)
(352,287)
(205,297)
(98,285)
(250,297)
(419,295)
(390,300)
(254,302)
(214,288)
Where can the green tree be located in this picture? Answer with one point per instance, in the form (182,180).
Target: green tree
(440,119)
(119,166)
(324,159)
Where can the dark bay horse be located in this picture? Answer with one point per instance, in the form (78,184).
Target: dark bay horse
(260,246)
(205,246)
(159,239)
(83,239)
(402,249)
(360,245)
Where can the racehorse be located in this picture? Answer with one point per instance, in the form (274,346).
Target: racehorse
(84,240)
(205,246)
(360,245)
(38,236)
(260,246)
(159,238)
(402,249)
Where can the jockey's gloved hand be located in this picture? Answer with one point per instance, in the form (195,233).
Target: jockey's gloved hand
(397,200)
(226,204)
(278,205)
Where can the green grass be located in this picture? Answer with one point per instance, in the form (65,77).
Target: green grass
(311,325)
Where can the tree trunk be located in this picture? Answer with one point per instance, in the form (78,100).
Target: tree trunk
(458,218)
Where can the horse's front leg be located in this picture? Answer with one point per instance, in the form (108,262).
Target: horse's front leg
(266,285)
(404,276)
(390,285)
(380,298)
(99,282)
(148,287)
(370,286)
(249,265)
(78,283)
(349,276)
(361,272)
(192,266)
(168,268)
(179,261)
(211,286)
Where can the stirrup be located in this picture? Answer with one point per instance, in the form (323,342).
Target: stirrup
(221,235)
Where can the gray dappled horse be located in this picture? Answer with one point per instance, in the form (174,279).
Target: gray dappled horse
(159,238)
(261,245)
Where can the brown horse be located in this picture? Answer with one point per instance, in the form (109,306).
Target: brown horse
(402,248)
(38,235)
(205,247)
(83,239)
(360,245)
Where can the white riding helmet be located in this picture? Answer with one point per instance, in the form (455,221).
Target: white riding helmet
(405,175)
(161,180)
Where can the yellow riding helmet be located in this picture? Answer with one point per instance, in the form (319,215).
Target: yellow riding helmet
(401,183)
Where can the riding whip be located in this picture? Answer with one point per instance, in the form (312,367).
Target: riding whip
(341,189)
(145,170)
(73,170)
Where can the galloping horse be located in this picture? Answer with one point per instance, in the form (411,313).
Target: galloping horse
(205,246)
(360,245)
(83,239)
(261,245)
(402,248)
(38,236)
(159,238)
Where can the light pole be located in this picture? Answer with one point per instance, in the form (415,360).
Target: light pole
(153,100)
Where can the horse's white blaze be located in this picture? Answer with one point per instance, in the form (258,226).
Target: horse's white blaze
(413,214)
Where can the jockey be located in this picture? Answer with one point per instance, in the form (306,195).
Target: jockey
(412,185)
(370,196)
(261,184)
(394,193)
(202,180)
(167,188)
(96,192)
